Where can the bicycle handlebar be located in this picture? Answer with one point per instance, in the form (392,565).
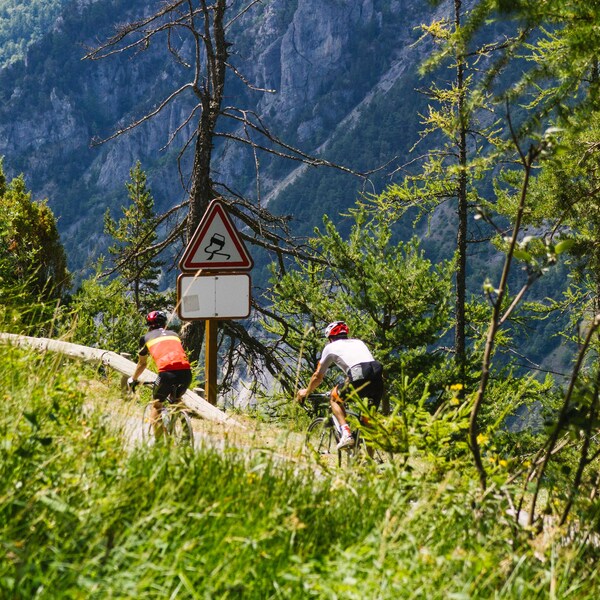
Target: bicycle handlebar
(171,398)
(134,384)
(316,403)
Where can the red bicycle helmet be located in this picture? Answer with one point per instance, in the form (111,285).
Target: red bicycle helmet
(336,328)
(157,318)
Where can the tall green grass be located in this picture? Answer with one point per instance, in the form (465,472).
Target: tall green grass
(84,516)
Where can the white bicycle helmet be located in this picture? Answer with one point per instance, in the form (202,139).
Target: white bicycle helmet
(336,328)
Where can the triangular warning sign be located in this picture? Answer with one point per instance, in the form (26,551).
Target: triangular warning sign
(216,244)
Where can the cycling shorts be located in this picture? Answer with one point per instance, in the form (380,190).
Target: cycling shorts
(366,380)
(168,380)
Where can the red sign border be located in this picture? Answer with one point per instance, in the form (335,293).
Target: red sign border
(186,265)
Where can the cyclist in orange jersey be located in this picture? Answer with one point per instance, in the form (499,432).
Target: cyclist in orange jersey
(164,347)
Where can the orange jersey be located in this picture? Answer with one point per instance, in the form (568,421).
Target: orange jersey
(165,349)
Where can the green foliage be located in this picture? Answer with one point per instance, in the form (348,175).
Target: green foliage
(23,312)
(568,189)
(390,295)
(555,44)
(33,272)
(414,429)
(84,515)
(22,24)
(103,316)
(30,247)
(422,429)
(134,235)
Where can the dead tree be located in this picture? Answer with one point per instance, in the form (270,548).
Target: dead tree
(206,24)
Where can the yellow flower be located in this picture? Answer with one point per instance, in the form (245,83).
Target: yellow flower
(457,386)
(482,439)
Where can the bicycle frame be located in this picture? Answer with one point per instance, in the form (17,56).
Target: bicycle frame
(175,423)
(324,432)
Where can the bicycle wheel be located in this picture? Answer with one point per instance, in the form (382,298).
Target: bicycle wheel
(360,453)
(321,441)
(147,428)
(180,427)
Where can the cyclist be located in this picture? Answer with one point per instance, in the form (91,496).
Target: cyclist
(174,372)
(364,374)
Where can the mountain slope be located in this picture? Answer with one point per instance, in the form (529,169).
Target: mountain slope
(22,24)
(344,79)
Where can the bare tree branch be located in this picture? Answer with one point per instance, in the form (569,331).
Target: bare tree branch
(194,36)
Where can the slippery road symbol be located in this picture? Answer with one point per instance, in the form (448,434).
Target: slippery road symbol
(216,244)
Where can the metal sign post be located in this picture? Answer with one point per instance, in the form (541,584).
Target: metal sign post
(210,361)
(208,289)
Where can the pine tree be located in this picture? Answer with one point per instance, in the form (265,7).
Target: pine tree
(134,234)
(30,247)
(390,295)
(460,120)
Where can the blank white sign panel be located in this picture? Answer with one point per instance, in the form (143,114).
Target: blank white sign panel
(224,296)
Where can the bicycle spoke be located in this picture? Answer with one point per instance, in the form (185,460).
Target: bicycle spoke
(147,426)
(321,442)
(181,430)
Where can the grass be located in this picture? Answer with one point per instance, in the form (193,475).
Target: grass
(83,514)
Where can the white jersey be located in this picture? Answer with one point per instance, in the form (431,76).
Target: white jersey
(345,353)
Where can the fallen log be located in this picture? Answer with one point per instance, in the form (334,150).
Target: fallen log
(119,363)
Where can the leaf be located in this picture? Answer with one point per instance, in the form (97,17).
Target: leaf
(31,417)
(44,441)
(522,255)
(564,246)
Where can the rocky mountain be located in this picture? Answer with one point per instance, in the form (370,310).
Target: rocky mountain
(343,80)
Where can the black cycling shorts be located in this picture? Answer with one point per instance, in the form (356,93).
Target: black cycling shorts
(369,385)
(169,380)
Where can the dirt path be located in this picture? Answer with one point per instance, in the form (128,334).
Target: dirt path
(242,432)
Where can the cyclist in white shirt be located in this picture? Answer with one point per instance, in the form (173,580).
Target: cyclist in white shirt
(364,374)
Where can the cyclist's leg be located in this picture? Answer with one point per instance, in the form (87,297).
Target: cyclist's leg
(180,427)
(336,401)
(160,392)
(338,408)
(181,382)
(371,391)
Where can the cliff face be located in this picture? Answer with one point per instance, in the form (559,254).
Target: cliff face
(307,56)
(342,79)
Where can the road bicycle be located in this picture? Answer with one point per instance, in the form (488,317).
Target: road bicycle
(175,420)
(324,432)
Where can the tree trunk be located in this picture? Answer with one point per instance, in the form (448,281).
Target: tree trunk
(461,239)
(210,93)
